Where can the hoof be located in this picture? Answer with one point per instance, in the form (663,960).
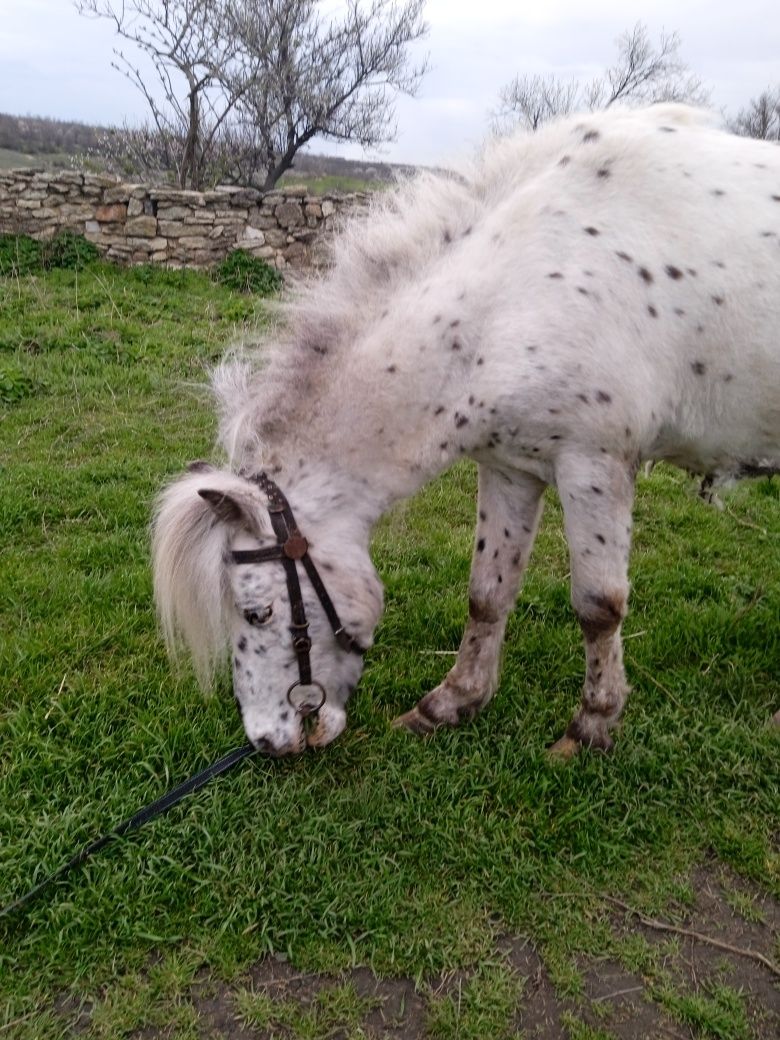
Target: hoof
(415,722)
(565,748)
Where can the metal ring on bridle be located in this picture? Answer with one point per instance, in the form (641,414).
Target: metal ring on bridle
(305,709)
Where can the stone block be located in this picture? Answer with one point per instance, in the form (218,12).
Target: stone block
(276,237)
(289,214)
(193,241)
(135,207)
(313,209)
(328,207)
(106,214)
(119,193)
(142,227)
(166,211)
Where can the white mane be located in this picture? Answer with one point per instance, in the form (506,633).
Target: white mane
(190,578)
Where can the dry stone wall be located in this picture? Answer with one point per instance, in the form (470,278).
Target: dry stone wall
(133,224)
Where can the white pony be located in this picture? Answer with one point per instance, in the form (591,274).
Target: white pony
(603,292)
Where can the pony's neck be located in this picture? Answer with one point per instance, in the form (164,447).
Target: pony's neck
(393,411)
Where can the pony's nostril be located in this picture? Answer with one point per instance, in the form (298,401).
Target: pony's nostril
(264,745)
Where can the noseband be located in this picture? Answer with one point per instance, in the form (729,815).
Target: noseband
(292,546)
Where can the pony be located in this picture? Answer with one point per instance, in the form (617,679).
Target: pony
(603,293)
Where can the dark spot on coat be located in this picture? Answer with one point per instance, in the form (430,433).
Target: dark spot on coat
(480,361)
(667,129)
(591,230)
(495,555)
(603,397)
(391,368)
(437,319)
(455,344)
(499,579)
(776,198)
(447,237)
(603,172)
(718,300)
(583,398)
(652,311)
(699,367)
(481,545)
(591,135)
(460,420)
(601,539)
(624,256)
(728,377)
(679,312)
(482,515)
(717,192)
(564,160)
(555,274)
(439,410)
(454,324)
(720,264)
(443,445)
(673,272)
(241,645)
(582,291)
(645,275)
(596,490)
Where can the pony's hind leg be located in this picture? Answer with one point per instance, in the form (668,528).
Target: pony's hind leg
(597,498)
(508,515)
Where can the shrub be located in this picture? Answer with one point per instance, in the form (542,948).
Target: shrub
(246,273)
(21,254)
(69,251)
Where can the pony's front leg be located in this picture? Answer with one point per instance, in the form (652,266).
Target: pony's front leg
(597,496)
(508,515)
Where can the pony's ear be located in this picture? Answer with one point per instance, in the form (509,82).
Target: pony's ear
(230,509)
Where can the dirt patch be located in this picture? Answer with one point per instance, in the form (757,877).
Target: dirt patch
(680,979)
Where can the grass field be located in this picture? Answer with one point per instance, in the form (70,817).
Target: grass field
(459,887)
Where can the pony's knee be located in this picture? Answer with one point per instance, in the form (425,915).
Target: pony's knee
(600,614)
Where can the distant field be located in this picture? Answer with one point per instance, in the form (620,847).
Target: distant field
(10,160)
(463,887)
(325,185)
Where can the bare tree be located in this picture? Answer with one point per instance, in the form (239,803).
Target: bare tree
(189,49)
(246,83)
(761,118)
(643,73)
(311,77)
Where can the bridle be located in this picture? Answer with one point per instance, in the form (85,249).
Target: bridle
(291,546)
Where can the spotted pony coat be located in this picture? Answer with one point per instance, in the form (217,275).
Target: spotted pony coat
(604,292)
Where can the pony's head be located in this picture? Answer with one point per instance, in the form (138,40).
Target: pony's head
(212,604)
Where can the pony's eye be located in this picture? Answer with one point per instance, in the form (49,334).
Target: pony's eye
(259,617)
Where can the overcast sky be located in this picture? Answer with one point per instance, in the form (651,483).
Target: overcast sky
(54,62)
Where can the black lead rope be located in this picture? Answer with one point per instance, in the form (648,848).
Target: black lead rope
(155,808)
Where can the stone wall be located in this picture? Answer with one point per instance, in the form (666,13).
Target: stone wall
(134,224)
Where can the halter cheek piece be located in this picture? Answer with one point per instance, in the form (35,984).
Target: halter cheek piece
(292,546)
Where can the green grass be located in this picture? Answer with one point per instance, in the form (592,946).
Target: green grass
(406,855)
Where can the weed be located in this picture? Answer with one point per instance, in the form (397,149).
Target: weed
(246,273)
(14,384)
